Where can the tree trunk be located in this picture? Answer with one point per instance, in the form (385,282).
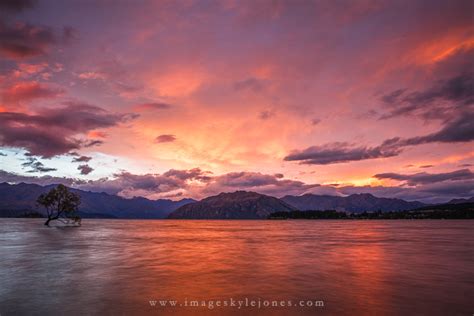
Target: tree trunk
(47,222)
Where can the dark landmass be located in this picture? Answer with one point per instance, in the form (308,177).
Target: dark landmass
(460,201)
(95,215)
(20,201)
(329,214)
(354,203)
(15,200)
(236,205)
(442,211)
(33,215)
(21,214)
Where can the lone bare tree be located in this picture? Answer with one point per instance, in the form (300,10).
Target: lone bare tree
(59,203)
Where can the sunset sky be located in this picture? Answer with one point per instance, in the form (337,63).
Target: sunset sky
(174,99)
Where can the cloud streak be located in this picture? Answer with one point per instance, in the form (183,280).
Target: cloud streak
(152,106)
(341,152)
(28,91)
(427,178)
(165,138)
(458,130)
(36,165)
(444,100)
(55,131)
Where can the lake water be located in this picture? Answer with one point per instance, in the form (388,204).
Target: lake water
(354,267)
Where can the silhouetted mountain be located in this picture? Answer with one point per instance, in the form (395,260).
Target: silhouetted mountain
(353,203)
(19,199)
(236,205)
(459,201)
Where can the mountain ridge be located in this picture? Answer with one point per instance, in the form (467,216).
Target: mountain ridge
(233,205)
(353,203)
(18,198)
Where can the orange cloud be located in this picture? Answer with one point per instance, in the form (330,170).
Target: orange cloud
(91,75)
(441,48)
(25,69)
(97,134)
(152,106)
(27,91)
(179,82)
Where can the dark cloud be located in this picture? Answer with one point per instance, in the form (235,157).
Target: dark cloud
(444,100)
(393,97)
(427,178)
(460,129)
(16,5)
(82,159)
(256,181)
(85,169)
(165,138)
(265,115)
(55,131)
(27,91)
(152,106)
(25,40)
(250,84)
(92,143)
(426,166)
(315,121)
(341,152)
(191,174)
(129,185)
(247,179)
(36,166)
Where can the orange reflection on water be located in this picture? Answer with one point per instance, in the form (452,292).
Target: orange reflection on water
(355,267)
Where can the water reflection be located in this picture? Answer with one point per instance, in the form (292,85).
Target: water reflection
(115,266)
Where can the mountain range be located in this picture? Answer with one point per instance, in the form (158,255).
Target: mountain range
(18,199)
(251,205)
(353,203)
(461,201)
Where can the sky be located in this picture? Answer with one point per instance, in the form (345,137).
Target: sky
(189,98)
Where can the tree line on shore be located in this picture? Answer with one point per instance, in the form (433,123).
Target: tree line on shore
(446,211)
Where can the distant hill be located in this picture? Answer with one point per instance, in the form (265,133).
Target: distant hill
(461,201)
(18,199)
(450,206)
(353,203)
(236,205)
